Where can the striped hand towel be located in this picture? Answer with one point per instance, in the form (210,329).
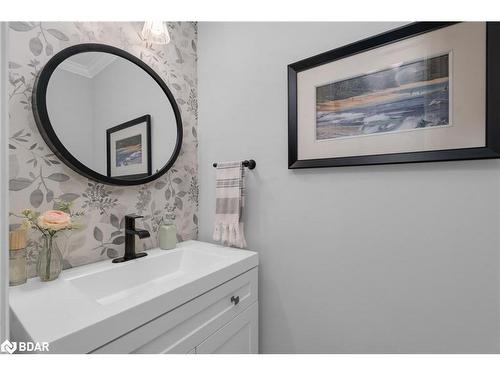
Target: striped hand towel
(229,202)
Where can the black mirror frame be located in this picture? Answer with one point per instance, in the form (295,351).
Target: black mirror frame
(39,106)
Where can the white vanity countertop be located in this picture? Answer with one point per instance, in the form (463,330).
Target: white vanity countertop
(89,306)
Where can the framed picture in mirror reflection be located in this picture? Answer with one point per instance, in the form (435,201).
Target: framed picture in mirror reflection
(128,148)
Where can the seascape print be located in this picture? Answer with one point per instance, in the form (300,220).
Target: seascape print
(410,96)
(129,151)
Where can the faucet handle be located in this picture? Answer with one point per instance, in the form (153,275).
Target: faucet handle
(133,216)
(130,220)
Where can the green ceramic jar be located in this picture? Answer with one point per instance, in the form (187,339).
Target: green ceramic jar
(167,237)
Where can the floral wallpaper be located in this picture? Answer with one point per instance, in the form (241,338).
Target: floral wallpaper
(38,179)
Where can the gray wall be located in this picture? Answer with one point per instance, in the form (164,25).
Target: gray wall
(69,104)
(396,258)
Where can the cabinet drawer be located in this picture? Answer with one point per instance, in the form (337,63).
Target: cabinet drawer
(181,329)
(239,336)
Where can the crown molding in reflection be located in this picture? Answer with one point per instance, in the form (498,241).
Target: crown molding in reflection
(90,70)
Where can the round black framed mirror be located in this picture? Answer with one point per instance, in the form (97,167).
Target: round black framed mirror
(107,115)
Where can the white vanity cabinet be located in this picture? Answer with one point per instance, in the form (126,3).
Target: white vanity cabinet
(222,320)
(197,298)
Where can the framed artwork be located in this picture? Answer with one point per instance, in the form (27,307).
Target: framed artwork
(428,91)
(128,149)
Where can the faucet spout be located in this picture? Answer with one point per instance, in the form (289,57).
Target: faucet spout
(130,233)
(142,233)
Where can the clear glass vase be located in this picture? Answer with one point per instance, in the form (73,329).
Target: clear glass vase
(49,264)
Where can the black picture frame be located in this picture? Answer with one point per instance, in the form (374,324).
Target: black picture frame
(129,124)
(491,149)
(42,120)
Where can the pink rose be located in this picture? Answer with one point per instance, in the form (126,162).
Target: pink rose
(54,220)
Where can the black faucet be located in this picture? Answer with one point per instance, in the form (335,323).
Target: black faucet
(130,233)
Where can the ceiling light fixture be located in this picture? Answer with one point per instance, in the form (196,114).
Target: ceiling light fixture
(156,32)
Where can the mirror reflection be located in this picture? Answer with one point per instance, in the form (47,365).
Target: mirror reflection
(111,115)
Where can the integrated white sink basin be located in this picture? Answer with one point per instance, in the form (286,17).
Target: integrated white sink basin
(88,306)
(159,268)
